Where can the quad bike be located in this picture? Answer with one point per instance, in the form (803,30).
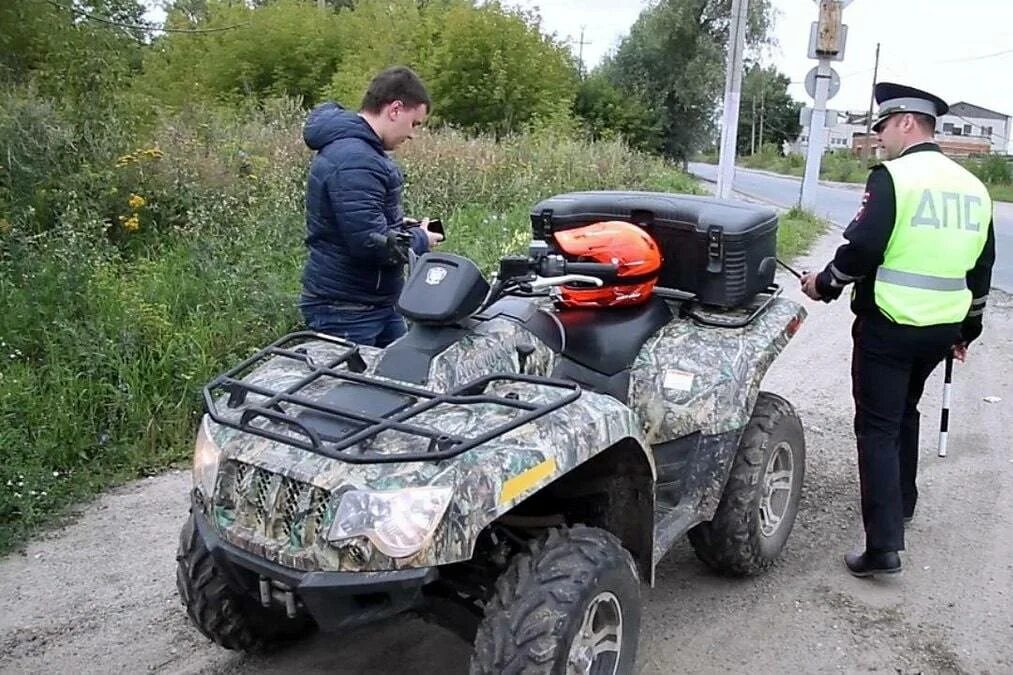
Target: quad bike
(513,468)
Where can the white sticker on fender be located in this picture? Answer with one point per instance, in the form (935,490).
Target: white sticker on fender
(679,380)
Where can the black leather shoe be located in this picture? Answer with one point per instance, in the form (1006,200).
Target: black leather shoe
(867,564)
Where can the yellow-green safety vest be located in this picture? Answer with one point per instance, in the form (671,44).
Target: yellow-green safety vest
(943,216)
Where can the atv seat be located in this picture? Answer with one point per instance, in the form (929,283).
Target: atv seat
(608,340)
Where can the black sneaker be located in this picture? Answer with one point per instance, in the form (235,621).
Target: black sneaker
(868,564)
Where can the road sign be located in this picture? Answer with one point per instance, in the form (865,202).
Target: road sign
(805,116)
(810,82)
(814,41)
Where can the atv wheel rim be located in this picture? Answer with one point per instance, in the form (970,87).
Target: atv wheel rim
(777,485)
(596,647)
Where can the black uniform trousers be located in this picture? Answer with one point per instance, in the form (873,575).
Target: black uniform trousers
(889,366)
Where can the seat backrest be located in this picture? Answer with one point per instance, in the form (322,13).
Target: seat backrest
(608,340)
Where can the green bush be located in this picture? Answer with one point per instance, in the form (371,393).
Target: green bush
(994,169)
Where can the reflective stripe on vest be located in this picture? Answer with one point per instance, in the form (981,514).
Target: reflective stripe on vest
(943,214)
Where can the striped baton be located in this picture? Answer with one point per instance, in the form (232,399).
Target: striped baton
(944,417)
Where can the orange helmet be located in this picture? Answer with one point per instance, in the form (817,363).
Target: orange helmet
(622,244)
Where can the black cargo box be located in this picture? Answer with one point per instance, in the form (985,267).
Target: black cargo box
(721,250)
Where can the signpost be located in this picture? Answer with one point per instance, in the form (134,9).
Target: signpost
(826,43)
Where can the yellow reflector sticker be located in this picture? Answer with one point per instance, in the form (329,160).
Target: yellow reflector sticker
(522,482)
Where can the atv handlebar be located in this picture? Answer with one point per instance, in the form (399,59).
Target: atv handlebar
(601,271)
(555,266)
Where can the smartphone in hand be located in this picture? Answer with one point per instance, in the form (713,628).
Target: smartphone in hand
(436,225)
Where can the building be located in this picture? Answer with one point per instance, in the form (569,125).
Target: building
(967,129)
(971,127)
(841,125)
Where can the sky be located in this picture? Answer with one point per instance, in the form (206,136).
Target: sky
(942,46)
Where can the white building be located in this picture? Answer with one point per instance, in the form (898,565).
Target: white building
(841,127)
(972,122)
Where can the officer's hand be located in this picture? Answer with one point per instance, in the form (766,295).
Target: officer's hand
(960,351)
(808,281)
(434,237)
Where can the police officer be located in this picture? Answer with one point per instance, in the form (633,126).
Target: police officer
(920,253)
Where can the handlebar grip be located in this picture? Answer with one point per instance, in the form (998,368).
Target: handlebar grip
(604,271)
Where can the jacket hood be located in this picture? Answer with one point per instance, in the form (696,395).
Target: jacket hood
(329,122)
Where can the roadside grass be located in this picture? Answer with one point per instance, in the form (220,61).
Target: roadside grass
(797,230)
(1001,192)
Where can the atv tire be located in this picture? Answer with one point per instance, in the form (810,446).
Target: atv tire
(760,500)
(230,618)
(575,589)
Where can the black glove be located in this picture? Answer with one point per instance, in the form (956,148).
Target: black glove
(826,288)
(397,244)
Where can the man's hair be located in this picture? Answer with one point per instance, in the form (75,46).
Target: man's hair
(926,123)
(397,83)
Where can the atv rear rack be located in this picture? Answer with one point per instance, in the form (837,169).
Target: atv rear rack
(416,400)
(738,317)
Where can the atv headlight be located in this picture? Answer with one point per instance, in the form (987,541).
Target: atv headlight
(398,522)
(205,460)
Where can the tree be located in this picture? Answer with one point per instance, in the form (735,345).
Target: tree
(768,114)
(673,60)
(607,112)
(285,48)
(66,54)
(400,32)
(494,71)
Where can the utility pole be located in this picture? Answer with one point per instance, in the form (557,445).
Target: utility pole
(752,133)
(763,108)
(322,4)
(733,96)
(580,50)
(868,122)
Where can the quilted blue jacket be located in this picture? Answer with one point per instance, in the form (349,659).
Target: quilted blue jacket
(353,190)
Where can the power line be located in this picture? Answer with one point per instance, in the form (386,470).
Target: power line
(135,26)
(975,58)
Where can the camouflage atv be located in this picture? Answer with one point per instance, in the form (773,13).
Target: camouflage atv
(510,469)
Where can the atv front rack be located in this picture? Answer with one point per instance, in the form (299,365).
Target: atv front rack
(282,406)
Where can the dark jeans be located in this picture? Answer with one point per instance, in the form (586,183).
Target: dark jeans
(362,324)
(889,366)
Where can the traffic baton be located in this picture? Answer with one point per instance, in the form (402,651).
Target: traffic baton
(944,417)
(789,268)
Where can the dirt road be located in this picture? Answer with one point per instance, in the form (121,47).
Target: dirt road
(98,595)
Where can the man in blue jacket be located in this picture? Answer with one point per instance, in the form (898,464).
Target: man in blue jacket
(351,280)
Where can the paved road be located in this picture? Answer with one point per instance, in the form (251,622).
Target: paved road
(839,204)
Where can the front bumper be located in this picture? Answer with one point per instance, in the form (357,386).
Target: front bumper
(335,600)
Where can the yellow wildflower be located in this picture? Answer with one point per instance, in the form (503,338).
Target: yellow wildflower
(136,201)
(132,224)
